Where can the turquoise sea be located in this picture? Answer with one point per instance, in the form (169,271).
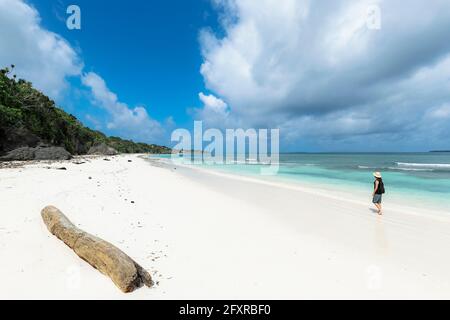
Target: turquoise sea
(416,178)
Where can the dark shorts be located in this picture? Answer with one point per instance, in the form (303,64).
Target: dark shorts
(377,198)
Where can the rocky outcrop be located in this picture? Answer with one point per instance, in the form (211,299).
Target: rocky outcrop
(14,138)
(42,152)
(102,149)
(51,153)
(126,274)
(19,154)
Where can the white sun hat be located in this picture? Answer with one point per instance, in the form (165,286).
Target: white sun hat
(377,175)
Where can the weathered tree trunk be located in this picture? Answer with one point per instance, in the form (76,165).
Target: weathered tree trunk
(108,259)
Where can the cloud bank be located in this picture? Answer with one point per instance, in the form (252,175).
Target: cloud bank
(40,56)
(134,122)
(316,70)
(48,60)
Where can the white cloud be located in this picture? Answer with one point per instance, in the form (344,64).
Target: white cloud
(214,111)
(440,113)
(134,123)
(213,103)
(94,121)
(40,56)
(315,70)
(47,60)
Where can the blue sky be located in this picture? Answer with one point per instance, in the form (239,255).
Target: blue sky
(369,75)
(147,51)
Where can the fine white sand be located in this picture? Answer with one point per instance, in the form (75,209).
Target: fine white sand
(208,236)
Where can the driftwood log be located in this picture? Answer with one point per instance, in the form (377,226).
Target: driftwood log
(126,274)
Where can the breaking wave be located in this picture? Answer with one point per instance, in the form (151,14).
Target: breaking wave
(432,166)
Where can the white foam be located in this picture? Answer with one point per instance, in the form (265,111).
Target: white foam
(411,169)
(424,165)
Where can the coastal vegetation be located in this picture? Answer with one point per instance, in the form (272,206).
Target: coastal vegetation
(29,118)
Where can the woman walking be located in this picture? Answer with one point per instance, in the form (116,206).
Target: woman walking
(378,191)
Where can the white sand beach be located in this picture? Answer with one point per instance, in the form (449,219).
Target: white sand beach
(211,236)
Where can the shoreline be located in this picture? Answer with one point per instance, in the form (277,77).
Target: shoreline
(204,236)
(397,203)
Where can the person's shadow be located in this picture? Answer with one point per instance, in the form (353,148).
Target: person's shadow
(373,210)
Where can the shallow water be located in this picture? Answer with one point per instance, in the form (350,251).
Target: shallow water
(417,178)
